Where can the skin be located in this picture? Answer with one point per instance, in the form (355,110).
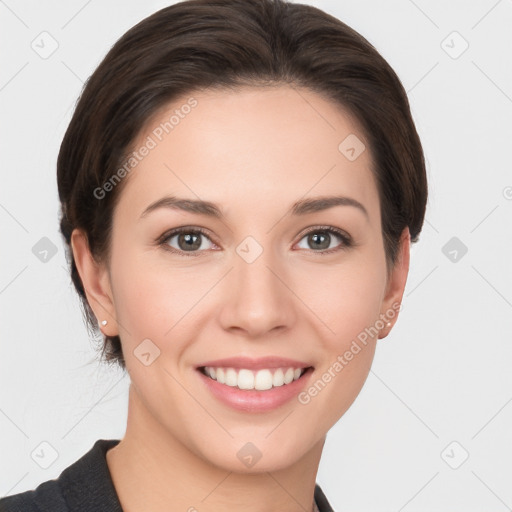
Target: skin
(254,152)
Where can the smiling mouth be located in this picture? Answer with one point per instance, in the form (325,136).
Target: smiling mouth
(259,380)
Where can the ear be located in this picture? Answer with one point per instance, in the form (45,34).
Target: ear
(96,282)
(396,284)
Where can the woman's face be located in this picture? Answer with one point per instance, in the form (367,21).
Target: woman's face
(267,276)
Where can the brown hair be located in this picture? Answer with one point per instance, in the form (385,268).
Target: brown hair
(196,44)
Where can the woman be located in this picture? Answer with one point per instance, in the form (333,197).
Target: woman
(240,184)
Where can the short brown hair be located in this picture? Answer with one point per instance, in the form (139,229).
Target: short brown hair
(198,44)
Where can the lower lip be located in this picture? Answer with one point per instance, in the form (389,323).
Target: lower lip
(250,400)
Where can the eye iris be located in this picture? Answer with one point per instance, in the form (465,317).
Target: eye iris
(319,239)
(191,241)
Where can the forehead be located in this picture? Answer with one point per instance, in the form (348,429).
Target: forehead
(252,148)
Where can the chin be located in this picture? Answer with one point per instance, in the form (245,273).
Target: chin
(255,454)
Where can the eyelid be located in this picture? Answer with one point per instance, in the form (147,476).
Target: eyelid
(320,227)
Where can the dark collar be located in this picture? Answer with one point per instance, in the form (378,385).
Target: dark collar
(87,484)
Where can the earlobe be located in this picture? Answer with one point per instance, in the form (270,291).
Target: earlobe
(96,282)
(391,304)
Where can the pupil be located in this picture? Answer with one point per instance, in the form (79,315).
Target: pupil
(319,238)
(191,241)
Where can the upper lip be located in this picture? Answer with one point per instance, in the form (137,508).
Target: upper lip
(256,364)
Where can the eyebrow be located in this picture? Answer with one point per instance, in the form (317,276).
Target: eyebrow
(301,207)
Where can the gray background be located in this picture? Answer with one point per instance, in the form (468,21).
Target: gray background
(440,389)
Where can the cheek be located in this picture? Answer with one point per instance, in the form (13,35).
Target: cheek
(346,299)
(157,302)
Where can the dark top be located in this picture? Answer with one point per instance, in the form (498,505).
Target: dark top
(86,486)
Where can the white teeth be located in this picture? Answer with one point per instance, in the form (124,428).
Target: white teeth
(259,380)
(278,378)
(245,379)
(263,380)
(231,377)
(221,377)
(288,376)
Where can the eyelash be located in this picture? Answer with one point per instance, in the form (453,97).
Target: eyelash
(346,240)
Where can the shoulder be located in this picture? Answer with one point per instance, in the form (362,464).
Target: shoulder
(84,485)
(47,496)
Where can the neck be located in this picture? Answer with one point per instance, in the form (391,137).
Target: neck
(155,472)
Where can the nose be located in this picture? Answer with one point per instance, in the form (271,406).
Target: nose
(257,298)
